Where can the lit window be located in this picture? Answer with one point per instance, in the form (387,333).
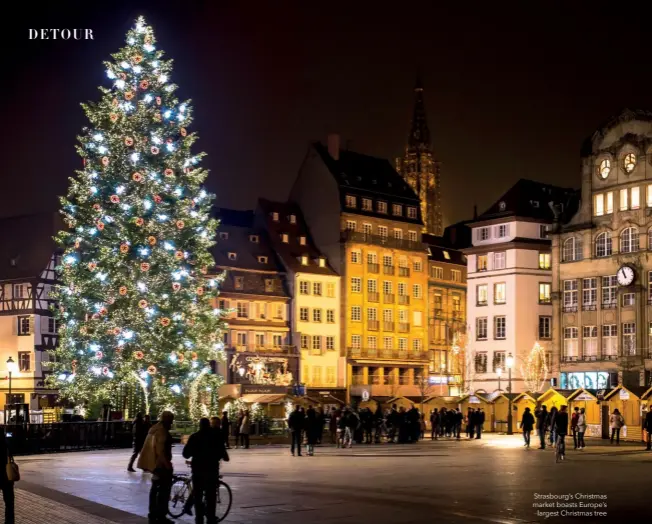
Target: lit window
(544,260)
(447,255)
(605,168)
(350,225)
(648,196)
(482,294)
(412,212)
(500,293)
(382,207)
(350,201)
(233,256)
(275,216)
(253,238)
(623,200)
(397,210)
(382,231)
(330,290)
(412,236)
(544,293)
(293,219)
(304,260)
(322,262)
(398,234)
(610,203)
(302,241)
(269,285)
(482,262)
(598,205)
(367,204)
(635,198)
(285,238)
(629,163)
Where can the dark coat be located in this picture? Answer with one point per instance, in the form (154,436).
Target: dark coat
(296,421)
(311,425)
(139,430)
(561,423)
(481,417)
(647,424)
(542,419)
(4,452)
(206,449)
(527,421)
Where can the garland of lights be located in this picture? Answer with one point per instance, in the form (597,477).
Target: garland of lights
(535,370)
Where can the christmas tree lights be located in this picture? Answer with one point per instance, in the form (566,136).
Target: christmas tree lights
(134,305)
(535,370)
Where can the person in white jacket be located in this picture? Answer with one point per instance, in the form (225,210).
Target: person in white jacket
(581,429)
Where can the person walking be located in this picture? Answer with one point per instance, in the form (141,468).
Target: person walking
(422,423)
(6,484)
(470,428)
(320,424)
(581,429)
(393,420)
(245,428)
(236,428)
(561,429)
(527,425)
(312,429)
(542,421)
(295,423)
(206,448)
(156,457)
(574,417)
(551,424)
(139,429)
(332,424)
(480,424)
(434,424)
(226,428)
(647,425)
(616,421)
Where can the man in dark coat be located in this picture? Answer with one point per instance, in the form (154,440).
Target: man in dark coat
(527,424)
(225,428)
(542,421)
(647,425)
(434,424)
(393,420)
(480,423)
(332,424)
(6,484)
(139,429)
(296,423)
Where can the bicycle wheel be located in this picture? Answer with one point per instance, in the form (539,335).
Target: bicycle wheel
(179,495)
(224,500)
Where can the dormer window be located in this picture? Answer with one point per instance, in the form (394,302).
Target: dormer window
(382,207)
(412,212)
(293,219)
(302,240)
(224,235)
(269,285)
(275,216)
(367,204)
(233,256)
(397,210)
(304,260)
(285,238)
(238,282)
(322,262)
(262,260)
(254,239)
(350,201)
(446,255)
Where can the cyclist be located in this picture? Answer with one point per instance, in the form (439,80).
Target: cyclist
(206,448)
(561,430)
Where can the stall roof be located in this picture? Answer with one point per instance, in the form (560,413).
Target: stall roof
(481,396)
(534,396)
(578,392)
(639,391)
(647,394)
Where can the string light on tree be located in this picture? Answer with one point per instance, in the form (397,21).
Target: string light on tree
(535,369)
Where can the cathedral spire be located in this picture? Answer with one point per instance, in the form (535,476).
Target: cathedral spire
(419,133)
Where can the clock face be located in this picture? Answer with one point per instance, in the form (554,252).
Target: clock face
(625,276)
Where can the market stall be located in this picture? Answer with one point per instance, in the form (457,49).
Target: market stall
(629,401)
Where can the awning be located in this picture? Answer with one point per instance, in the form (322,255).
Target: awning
(251,398)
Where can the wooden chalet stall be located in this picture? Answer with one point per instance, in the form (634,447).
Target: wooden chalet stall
(590,400)
(555,398)
(524,400)
(477,401)
(500,412)
(629,401)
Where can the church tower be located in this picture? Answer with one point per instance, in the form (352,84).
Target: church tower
(419,168)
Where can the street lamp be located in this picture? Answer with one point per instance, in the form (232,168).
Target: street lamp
(12,367)
(499,372)
(509,361)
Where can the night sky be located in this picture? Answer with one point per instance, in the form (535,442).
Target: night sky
(510,91)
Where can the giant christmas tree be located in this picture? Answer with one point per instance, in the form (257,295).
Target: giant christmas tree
(135,306)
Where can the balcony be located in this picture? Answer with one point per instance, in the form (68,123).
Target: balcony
(589,307)
(405,381)
(372,268)
(481,303)
(404,299)
(545,301)
(372,325)
(403,271)
(570,358)
(397,243)
(372,296)
(402,354)
(388,298)
(609,305)
(258,348)
(388,326)
(388,270)
(403,327)
(570,309)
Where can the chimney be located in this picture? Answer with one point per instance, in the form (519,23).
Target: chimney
(334,146)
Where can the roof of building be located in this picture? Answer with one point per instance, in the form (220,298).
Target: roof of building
(419,137)
(291,223)
(531,199)
(439,253)
(626,115)
(27,244)
(254,283)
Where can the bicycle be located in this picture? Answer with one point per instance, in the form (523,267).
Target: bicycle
(182,499)
(560,449)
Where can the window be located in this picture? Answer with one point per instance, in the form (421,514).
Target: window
(402,261)
(321,261)
(500,293)
(570,295)
(629,241)
(590,341)
(481,294)
(241,339)
(285,238)
(629,162)
(330,343)
(382,207)
(610,202)
(316,315)
(482,263)
(623,200)
(372,258)
(367,204)
(275,216)
(388,315)
(498,361)
(304,260)
(456,275)
(350,201)
(304,314)
(350,225)
(570,342)
(609,340)
(605,168)
(417,345)
(388,261)
(52,325)
(502,230)
(398,234)
(224,235)
(366,228)
(402,288)
(589,293)
(446,254)
(545,327)
(302,241)
(260,340)
(457,301)
(388,343)
(316,344)
(387,287)
(403,316)
(598,205)
(233,256)
(382,231)
(499,260)
(372,313)
(648,195)
(544,293)
(629,338)
(481,328)
(372,342)
(500,330)
(571,250)
(356,256)
(484,233)
(417,318)
(330,289)
(356,341)
(603,246)
(412,212)
(269,285)
(356,313)
(437,272)
(416,291)
(635,198)
(609,288)
(543,230)
(242,310)
(238,282)
(253,239)
(481,362)
(330,316)
(402,344)
(412,236)
(356,285)
(304,287)
(397,210)
(628,299)
(372,285)
(544,260)
(24,361)
(316,288)
(417,265)
(305,342)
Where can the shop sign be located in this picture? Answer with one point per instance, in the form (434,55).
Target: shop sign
(365,395)
(584,396)
(264,390)
(474,400)
(624,394)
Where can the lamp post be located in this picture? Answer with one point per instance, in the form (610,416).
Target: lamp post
(499,372)
(509,361)
(12,367)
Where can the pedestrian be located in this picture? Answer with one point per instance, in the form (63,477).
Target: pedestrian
(226,428)
(442,421)
(403,426)
(139,429)
(647,424)
(367,424)
(379,424)
(434,424)
(616,421)
(236,428)
(561,429)
(332,424)
(423,426)
(480,424)
(312,429)
(6,484)
(581,429)
(245,428)
(206,448)
(527,424)
(459,419)
(470,429)
(551,425)
(574,417)
(320,424)
(295,423)
(156,457)
(542,421)
(393,420)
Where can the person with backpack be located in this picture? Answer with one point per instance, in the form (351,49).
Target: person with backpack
(616,422)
